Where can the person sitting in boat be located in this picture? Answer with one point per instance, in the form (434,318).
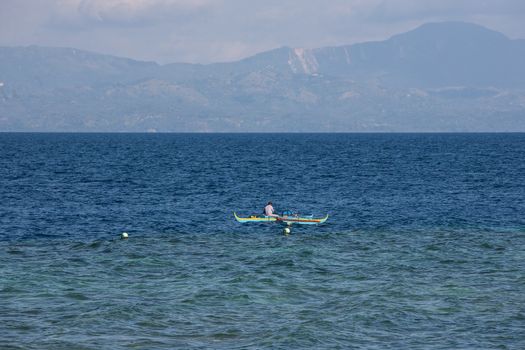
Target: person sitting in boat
(269,211)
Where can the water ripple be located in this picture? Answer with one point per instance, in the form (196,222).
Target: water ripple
(424,248)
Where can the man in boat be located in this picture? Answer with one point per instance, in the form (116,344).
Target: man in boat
(269,211)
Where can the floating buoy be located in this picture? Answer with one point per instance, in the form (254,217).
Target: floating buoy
(287,230)
(124,235)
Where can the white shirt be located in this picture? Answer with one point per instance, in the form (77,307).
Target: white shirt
(269,211)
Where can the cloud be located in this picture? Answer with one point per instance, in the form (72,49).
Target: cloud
(421,10)
(124,12)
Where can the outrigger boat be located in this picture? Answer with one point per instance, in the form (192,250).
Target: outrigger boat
(286,219)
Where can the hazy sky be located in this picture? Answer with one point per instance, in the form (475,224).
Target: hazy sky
(203,31)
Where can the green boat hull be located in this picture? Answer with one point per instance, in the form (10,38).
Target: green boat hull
(284,219)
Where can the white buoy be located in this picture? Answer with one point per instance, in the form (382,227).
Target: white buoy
(124,235)
(287,230)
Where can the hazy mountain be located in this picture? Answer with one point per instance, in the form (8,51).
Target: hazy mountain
(439,77)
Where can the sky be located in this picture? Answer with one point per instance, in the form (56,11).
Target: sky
(205,31)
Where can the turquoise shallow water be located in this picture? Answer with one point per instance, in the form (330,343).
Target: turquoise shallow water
(424,248)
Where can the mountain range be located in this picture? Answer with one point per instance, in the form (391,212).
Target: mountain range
(449,76)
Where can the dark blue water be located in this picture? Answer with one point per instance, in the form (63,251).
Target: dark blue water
(424,247)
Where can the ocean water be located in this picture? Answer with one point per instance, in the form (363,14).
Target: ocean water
(424,247)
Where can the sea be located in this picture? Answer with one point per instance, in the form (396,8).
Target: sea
(424,247)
